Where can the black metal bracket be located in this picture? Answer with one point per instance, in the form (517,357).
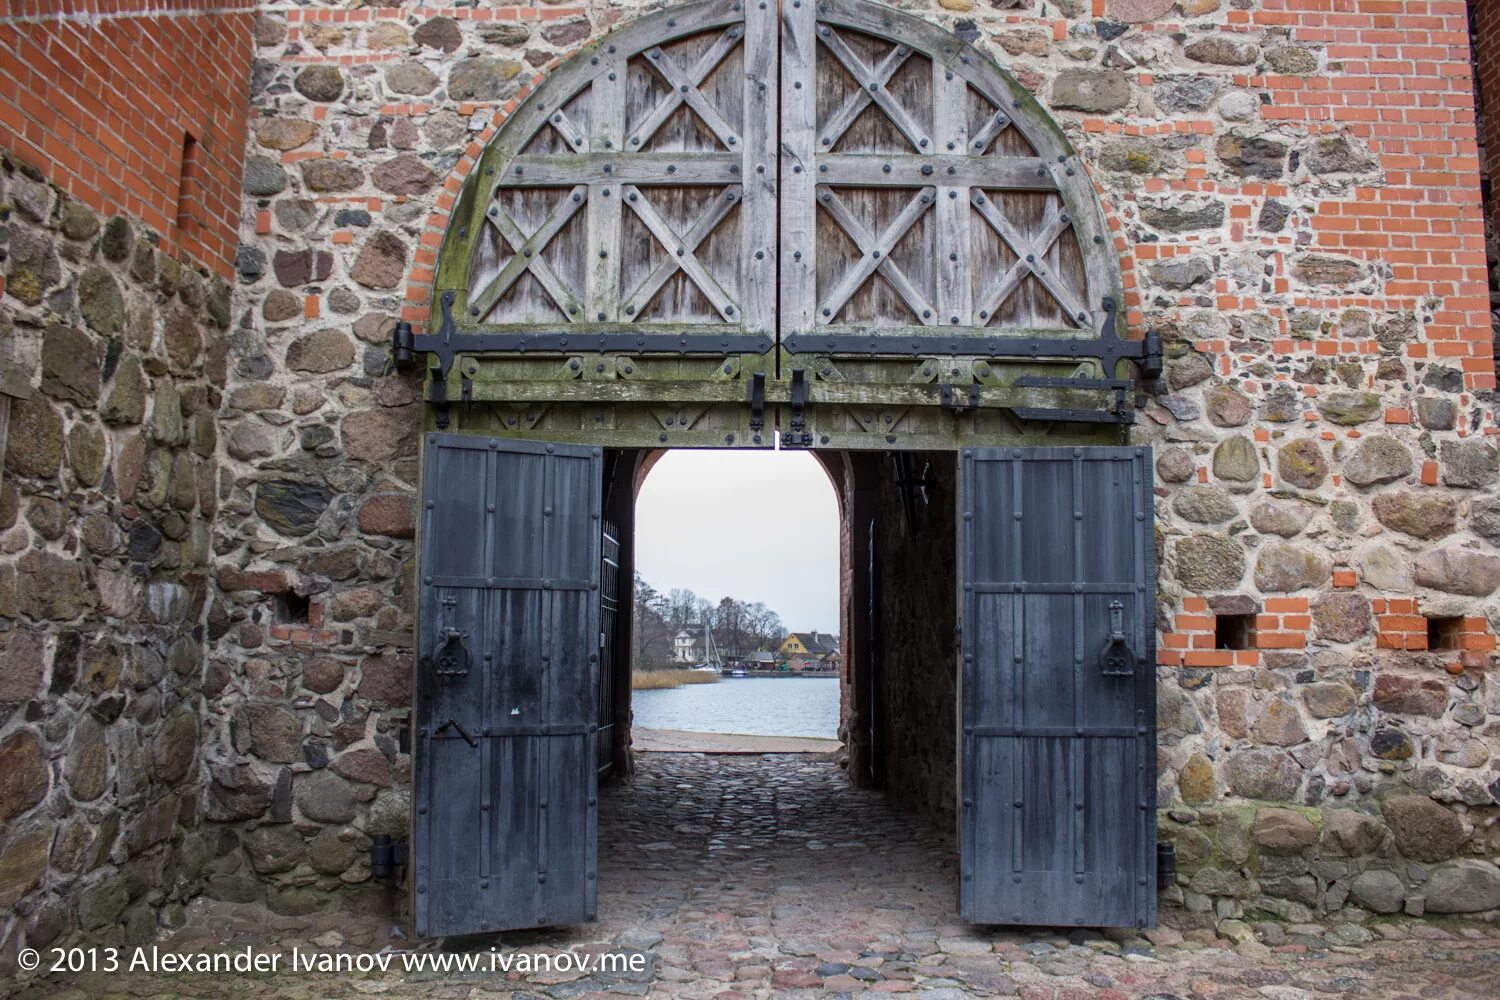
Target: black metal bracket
(970,400)
(758,401)
(797,435)
(386,855)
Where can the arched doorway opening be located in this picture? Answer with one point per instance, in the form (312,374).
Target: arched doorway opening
(839,228)
(721,618)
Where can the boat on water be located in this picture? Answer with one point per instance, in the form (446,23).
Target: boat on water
(739,672)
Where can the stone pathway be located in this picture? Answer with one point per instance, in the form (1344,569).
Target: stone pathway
(742,876)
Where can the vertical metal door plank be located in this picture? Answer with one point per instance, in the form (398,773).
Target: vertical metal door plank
(1075,762)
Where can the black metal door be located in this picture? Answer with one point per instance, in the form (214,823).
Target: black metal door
(1059,688)
(504,834)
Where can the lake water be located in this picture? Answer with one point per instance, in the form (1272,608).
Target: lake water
(757,706)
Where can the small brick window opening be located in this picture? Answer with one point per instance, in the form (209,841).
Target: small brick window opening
(1234,631)
(188,185)
(1445,633)
(292,609)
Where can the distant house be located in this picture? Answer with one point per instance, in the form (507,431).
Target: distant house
(804,651)
(687,645)
(761,660)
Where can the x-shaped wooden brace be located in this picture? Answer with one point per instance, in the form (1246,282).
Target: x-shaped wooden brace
(988,132)
(838,123)
(572,135)
(1028,259)
(871,88)
(526,255)
(875,253)
(685,84)
(680,255)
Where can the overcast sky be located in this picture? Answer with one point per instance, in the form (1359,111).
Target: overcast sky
(754,525)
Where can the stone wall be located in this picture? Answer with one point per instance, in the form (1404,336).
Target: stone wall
(1297,206)
(109,488)
(358,116)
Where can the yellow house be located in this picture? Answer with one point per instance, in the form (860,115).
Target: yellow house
(808,645)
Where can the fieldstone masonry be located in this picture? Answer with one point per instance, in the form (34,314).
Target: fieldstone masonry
(110,488)
(212,592)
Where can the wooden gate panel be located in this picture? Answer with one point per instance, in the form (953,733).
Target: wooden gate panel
(910,124)
(507,683)
(941,245)
(1058,695)
(634,188)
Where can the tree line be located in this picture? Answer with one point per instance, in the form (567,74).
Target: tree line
(739,627)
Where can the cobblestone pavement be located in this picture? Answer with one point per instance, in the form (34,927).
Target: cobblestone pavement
(769,877)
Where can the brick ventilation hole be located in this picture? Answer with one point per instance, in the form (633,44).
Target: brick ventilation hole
(1443,633)
(1234,631)
(292,609)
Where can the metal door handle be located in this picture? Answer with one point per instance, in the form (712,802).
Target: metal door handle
(468,737)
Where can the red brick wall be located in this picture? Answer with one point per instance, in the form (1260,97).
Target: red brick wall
(100,94)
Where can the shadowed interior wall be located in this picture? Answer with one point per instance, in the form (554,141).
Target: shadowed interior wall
(914,665)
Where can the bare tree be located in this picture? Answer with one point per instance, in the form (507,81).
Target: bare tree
(653,632)
(732,628)
(682,608)
(764,625)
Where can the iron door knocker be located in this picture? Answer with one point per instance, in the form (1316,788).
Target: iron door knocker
(451,655)
(1117,660)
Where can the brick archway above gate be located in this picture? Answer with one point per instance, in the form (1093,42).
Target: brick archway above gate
(840,220)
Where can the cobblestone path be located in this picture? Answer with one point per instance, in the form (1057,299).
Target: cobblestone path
(769,877)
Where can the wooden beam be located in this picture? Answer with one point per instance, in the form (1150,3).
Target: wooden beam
(639,168)
(997,173)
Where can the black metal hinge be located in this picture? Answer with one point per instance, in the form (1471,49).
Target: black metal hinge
(386,855)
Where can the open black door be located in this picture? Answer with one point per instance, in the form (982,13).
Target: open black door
(1059,687)
(504,830)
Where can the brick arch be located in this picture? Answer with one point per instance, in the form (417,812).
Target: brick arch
(419,304)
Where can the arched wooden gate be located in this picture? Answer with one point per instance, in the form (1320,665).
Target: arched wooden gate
(832,226)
